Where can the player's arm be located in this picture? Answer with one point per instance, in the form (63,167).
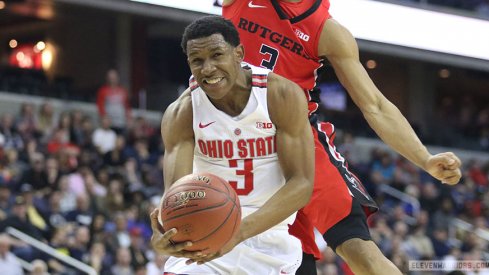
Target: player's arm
(178,140)
(340,48)
(295,148)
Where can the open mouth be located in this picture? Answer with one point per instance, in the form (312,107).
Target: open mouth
(213,80)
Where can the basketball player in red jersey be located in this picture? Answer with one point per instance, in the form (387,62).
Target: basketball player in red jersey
(292,37)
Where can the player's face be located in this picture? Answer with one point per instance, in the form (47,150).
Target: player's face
(214,63)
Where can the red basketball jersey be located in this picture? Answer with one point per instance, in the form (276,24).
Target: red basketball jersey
(282,37)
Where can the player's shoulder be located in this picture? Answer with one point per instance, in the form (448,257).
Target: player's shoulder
(282,91)
(281,86)
(286,101)
(180,111)
(335,39)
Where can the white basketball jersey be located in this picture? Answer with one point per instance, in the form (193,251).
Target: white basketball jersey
(242,149)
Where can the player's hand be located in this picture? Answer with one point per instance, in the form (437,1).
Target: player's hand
(224,250)
(160,241)
(445,167)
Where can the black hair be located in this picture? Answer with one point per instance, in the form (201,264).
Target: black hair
(207,26)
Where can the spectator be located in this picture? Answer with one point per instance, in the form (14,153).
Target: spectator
(64,128)
(13,168)
(6,200)
(122,265)
(123,239)
(132,174)
(83,213)
(144,157)
(97,228)
(10,135)
(67,197)
(54,216)
(98,259)
(93,188)
(78,244)
(52,173)
(141,129)
(113,102)
(36,175)
(26,122)
(429,197)
(39,267)
(35,207)
(421,243)
(104,138)
(59,142)
(76,127)
(442,218)
(440,242)
(118,155)
(137,248)
(9,264)
(46,120)
(18,219)
(115,202)
(86,133)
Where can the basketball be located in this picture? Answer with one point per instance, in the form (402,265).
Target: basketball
(204,209)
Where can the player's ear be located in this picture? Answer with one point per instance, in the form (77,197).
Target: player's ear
(239,52)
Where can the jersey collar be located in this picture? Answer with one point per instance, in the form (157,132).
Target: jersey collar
(293,20)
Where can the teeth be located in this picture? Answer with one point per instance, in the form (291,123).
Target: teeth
(214,80)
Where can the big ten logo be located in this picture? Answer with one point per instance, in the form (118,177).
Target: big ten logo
(301,35)
(264,125)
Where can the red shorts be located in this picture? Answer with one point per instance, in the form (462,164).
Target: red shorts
(334,189)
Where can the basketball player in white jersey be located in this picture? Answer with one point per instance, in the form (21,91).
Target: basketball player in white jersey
(250,127)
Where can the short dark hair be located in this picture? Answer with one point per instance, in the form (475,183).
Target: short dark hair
(207,26)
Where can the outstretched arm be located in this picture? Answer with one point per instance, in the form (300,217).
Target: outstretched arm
(340,48)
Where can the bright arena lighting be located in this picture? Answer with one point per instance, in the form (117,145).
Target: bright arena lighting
(391,24)
(13,43)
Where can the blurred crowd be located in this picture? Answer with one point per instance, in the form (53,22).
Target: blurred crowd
(87,190)
(405,231)
(462,121)
(80,187)
(458,122)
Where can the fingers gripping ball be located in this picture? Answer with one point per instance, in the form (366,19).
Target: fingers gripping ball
(204,209)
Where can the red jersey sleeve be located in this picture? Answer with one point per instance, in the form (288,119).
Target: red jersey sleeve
(101,94)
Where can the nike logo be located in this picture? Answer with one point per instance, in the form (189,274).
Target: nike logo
(205,125)
(250,4)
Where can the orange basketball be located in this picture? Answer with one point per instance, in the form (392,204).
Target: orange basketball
(204,209)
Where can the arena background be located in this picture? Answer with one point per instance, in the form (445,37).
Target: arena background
(58,52)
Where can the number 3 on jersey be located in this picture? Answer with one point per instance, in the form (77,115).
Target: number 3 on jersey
(247,173)
(272,59)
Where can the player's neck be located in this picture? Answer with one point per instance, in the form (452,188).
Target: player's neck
(235,102)
(291,1)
